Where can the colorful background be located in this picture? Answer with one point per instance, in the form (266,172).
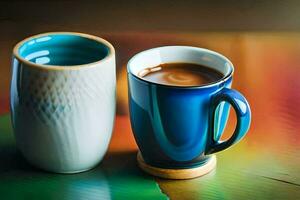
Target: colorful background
(261,40)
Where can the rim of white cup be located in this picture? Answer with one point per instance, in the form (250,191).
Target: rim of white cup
(102,41)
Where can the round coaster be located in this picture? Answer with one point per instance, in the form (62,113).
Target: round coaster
(177,173)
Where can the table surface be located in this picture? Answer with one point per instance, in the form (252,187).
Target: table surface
(265,165)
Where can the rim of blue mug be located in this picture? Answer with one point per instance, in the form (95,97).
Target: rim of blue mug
(212,84)
(102,41)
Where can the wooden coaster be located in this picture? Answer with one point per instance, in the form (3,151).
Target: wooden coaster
(177,173)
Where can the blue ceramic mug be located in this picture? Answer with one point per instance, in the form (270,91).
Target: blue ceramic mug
(180,127)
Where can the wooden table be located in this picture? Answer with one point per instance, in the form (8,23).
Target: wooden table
(265,165)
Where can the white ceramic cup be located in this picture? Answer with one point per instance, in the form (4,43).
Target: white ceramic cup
(63,99)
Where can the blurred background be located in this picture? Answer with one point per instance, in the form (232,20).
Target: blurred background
(134,25)
(262,40)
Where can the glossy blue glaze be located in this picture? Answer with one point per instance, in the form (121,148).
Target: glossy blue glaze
(242,109)
(62,50)
(178,127)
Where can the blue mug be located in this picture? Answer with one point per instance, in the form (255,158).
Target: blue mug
(180,127)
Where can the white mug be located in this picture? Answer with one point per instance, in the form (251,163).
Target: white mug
(63,100)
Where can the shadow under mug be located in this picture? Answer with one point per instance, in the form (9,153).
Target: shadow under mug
(179,127)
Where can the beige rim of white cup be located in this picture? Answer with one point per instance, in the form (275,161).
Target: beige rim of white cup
(58,67)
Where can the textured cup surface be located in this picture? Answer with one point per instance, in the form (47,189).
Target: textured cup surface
(63,93)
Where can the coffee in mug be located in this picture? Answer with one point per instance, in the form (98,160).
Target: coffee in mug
(179,100)
(181,74)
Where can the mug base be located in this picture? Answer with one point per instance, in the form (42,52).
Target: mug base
(65,171)
(74,171)
(201,170)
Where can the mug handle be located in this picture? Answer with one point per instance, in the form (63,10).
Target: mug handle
(243,113)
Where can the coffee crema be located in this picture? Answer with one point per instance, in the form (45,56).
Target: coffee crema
(180,74)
